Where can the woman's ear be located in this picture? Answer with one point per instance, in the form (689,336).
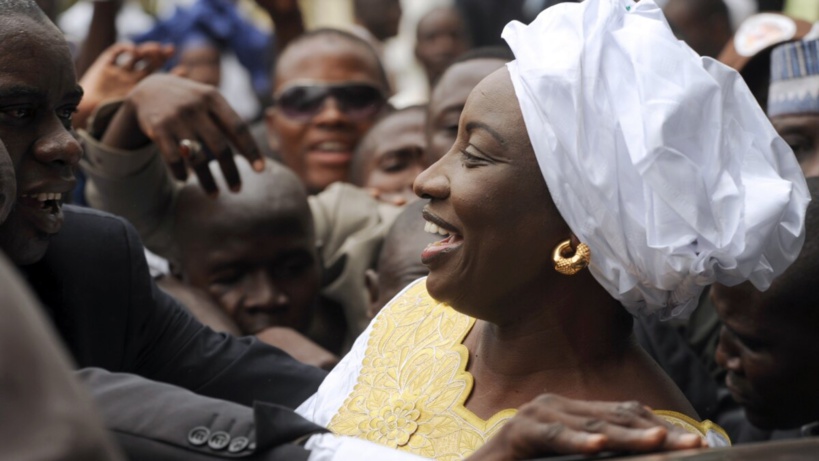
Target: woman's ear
(575,241)
(270,124)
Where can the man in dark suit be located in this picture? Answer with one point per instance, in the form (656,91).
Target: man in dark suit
(94,282)
(89,271)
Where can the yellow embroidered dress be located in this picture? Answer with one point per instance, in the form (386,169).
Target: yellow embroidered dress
(405,382)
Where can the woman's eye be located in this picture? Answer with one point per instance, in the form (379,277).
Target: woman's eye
(470,160)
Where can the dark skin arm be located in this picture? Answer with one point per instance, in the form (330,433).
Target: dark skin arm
(287,20)
(165,109)
(551,425)
(102,33)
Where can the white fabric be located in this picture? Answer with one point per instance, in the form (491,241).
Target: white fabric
(659,160)
(325,403)
(328,447)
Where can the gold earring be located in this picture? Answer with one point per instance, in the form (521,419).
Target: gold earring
(575,263)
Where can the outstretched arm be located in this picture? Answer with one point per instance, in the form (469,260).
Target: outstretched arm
(287,20)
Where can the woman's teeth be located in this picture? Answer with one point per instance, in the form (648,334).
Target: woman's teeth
(434,229)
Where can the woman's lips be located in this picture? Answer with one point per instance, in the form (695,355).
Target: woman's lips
(436,250)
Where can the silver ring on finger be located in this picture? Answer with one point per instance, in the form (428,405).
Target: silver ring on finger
(190,149)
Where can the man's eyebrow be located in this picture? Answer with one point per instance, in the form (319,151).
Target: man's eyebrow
(475,125)
(17,91)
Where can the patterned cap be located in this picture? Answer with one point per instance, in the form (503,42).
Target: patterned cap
(794,78)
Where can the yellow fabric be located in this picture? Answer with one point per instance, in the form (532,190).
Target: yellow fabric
(413,384)
(692,425)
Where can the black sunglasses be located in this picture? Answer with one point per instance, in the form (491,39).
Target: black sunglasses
(358,101)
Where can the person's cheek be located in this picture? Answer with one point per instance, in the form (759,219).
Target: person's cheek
(228,299)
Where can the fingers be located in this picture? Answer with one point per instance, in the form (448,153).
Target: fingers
(216,145)
(521,438)
(237,131)
(680,439)
(192,151)
(172,153)
(151,56)
(114,53)
(624,426)
(170,110)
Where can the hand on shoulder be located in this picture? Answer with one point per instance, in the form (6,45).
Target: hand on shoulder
(551,424)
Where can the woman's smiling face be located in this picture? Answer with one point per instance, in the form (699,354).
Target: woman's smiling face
(488,195)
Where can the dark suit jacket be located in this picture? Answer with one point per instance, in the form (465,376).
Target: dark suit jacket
(185,426)
(95,286)
(44,414)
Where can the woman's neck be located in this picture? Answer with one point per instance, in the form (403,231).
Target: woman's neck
(564,344)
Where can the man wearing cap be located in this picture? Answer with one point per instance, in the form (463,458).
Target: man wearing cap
(749,50)
(793,100)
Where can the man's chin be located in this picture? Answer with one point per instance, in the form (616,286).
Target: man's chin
(30,255)
(22,250)
(771,420)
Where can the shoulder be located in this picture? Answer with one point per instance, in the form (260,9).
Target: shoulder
(346,208)
(94,238)
(81,216)
(87,224)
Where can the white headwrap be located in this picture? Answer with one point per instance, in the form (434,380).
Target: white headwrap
(660,161)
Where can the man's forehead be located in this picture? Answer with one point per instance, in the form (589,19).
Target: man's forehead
(318,54)
(743,306)
(458,81)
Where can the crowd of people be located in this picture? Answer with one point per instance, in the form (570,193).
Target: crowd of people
(597,234)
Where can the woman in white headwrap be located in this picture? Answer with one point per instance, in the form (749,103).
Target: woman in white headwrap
(607,167)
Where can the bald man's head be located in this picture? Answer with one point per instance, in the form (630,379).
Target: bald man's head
(253,251)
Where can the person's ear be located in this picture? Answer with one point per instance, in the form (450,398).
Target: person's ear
(371,282)
(270,124)
(575,240)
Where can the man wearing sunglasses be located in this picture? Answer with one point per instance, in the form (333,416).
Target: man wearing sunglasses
(330,88)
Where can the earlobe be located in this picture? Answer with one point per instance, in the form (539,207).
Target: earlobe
(371,282)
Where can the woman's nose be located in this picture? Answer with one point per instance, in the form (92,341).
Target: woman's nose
(433,182)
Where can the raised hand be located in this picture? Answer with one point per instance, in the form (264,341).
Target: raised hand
(186,120)
(116,72)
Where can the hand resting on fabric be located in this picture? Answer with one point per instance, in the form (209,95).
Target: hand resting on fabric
(551,425)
